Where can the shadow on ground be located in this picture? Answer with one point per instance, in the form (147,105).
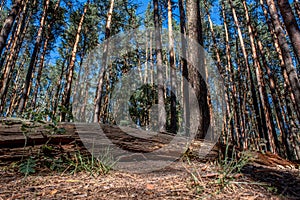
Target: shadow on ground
(285,183)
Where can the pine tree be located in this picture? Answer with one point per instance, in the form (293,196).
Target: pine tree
(6,28)
(289,67)
(159,66)
(196,65)
(67,90)
(104,63)
(33,59)
(291,25)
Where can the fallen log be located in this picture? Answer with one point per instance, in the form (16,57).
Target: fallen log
(20,138)
(20,134)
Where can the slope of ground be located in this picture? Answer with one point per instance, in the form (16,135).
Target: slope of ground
(265,176)
(181,180)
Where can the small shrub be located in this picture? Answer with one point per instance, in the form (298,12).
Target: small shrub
(27,167)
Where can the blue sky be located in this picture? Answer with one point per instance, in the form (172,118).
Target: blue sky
(214,10)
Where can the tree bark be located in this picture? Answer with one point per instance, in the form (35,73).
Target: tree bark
(277,111)
(13,53)
(59,85)
(196,65)
(185,74)
(237,127)
(260,125)
(103,70)
(297,7)
(159,66)
(8,23)
(289,67)
(282,63)
(42,58)
(173,79)
(33,59)
(262,88)
(221,71)
(67,91)
(291,25)
(14,97)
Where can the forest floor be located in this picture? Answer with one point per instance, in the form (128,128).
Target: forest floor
(181,180)
(62,169)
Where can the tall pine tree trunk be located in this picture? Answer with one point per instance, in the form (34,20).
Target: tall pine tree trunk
(10,41)
(173,123)
(9,23)
(289,67)
(219,66)
(196,65)
(261,87)
(260,125)
(237,127)
(280,56)
(42,58)
(58,91)
(185,74)
(278,110)
(13,54)
(14,97)
(67,91)
(103,70)
(291,25)
(159,67)
(297,7)
(32,63)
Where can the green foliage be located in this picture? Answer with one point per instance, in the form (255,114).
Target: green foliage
(231,163)
(227,169)
(69,114)
(140,103)
(72,163)
(3,14)
(38,115)
(94,165)
(230,166)
(107,160)
(27,167)
(57,164)
(39,118)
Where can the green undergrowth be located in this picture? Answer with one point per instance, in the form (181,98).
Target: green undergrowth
(226,170)
(48,160)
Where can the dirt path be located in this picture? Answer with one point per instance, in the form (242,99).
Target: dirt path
(173,182)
